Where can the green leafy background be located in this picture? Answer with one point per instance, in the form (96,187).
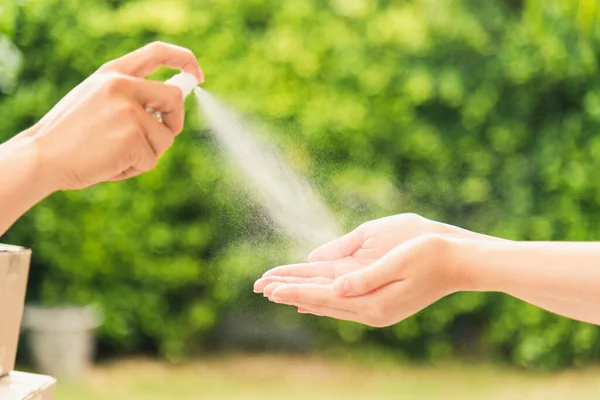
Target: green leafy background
(481,114)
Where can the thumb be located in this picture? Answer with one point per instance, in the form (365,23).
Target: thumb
(383,272)
(339,248)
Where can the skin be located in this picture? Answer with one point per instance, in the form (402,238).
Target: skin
(99,132)
(389,269)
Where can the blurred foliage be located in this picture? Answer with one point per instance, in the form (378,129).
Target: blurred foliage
(481,114)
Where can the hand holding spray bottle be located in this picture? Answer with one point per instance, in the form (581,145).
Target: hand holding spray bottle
(186,82)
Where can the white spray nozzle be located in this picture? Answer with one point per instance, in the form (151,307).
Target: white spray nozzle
(184,81)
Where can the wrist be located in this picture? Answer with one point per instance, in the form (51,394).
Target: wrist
(24,179)
(481,263)
(462,258)
(445,254)
(26,164)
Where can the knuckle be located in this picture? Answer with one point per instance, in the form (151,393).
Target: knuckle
(177,127)
(126,110)
(176,96)
(434,244)
(411,218)
(130,136)
(169,141)
(151,164)
(188,53)
(107,66)
(432,240)
(146,166)
(164,146)
(158,46)
(146,160)
(114,84)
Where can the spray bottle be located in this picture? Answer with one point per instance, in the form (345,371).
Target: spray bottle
(186,82)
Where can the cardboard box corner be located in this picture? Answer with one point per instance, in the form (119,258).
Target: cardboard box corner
(14,270)
(25,386)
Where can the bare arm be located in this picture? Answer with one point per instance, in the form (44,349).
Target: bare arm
(563,278)
(560,277)
(23,180)
(582,312)
(99,132)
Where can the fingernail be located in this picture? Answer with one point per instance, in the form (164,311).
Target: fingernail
(260,285)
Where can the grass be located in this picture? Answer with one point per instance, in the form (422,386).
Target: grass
(288,377)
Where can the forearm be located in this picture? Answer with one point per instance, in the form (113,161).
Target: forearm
(23,180)
(561,277)
(582,312)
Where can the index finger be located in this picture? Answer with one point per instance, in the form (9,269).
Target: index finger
(142,62)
